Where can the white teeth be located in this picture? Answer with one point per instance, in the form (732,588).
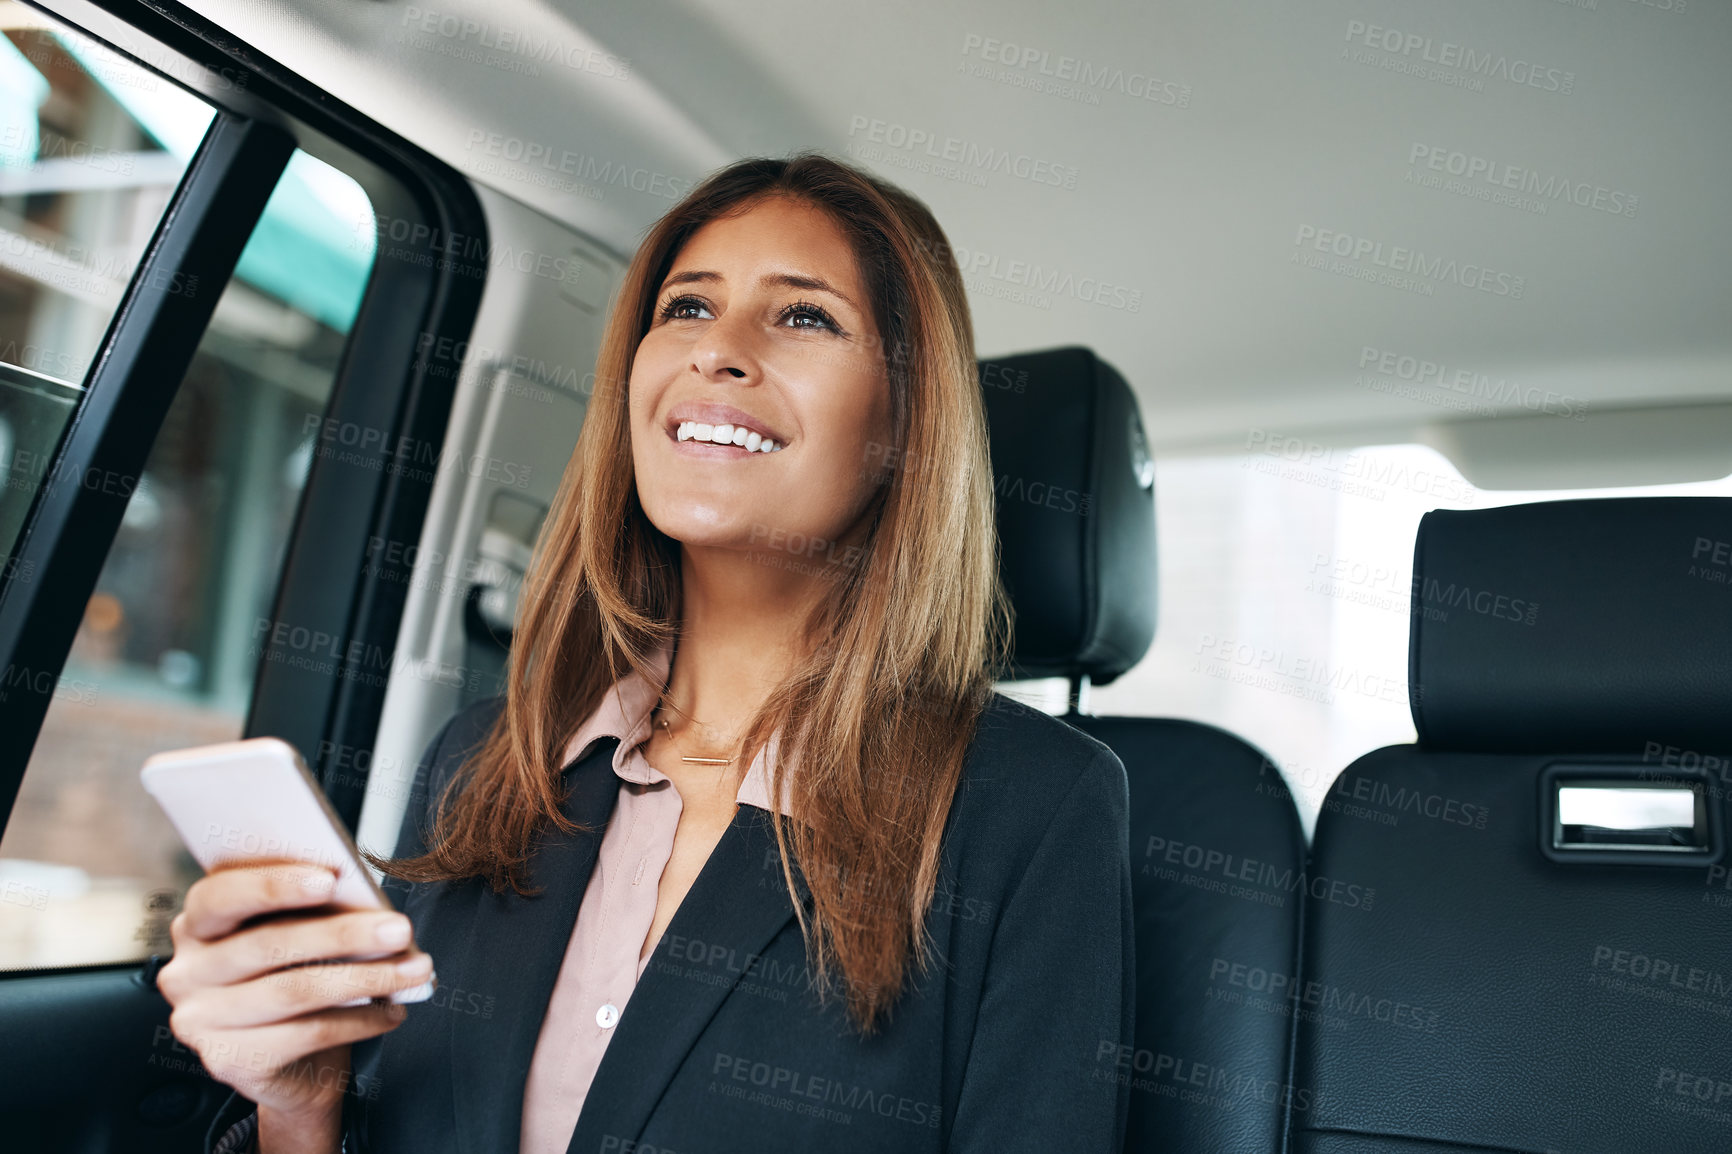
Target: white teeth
(748,439)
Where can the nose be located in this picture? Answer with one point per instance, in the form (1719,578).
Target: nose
(725,350)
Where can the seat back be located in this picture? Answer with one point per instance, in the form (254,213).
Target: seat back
(1217,850)
(1547,963)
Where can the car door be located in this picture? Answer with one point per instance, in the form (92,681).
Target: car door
(214,283)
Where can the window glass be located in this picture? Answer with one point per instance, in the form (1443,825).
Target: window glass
(91,149)
(90,869)
(1285,590)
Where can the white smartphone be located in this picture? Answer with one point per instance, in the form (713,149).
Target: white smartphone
(254,801)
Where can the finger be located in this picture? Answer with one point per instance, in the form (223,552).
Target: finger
(248,953)
(258,1054)
(222,900)
(278,997)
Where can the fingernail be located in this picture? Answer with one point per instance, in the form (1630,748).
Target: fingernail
(416,967)
(394,932)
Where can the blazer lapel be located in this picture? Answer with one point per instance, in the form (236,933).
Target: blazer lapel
(514,947)
(727,909)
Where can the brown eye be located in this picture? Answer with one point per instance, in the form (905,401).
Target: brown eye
(678,309)
(804,315)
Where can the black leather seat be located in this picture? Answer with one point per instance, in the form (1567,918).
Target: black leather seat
(1532,977)
(1217,850)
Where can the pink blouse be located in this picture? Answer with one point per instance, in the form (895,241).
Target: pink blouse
(601,965)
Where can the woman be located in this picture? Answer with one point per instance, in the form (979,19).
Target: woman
(769,573)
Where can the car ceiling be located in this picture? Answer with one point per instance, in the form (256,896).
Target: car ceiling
(1273,127)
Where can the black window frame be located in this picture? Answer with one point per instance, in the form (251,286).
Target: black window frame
(374,491)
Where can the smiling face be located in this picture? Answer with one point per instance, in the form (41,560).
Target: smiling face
(762,337)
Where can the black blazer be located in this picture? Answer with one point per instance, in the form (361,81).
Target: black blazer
(1009,1043)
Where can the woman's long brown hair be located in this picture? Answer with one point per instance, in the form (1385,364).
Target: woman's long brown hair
(878,716)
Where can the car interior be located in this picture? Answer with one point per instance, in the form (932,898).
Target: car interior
(1360,412)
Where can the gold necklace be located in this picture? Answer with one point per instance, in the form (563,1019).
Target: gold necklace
(663,722)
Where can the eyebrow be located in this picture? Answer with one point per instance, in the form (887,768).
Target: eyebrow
(781,280)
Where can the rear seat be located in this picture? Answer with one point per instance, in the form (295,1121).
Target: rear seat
(1217,862)
(1530,979)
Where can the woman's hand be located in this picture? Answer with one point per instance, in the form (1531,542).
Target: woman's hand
(259,1017)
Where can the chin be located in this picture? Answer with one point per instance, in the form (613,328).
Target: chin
(706,527)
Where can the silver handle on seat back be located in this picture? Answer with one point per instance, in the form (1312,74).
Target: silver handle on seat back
(1605,815)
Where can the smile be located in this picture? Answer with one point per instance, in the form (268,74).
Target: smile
(749,439)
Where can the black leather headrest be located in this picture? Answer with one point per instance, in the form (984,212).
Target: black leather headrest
(1574,626)
(1076,512)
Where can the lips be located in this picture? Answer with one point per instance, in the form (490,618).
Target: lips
(739,435)
(722,425)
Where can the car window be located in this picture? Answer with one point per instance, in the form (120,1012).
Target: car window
(91,149)
(165,656)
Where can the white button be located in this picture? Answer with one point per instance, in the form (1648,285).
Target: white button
(607,1016)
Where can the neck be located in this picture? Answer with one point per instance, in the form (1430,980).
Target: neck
(741,631)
